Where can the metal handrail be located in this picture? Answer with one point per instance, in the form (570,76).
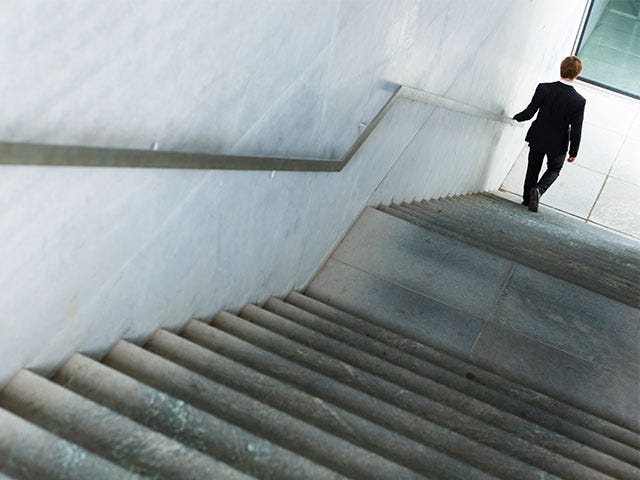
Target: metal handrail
(75,155)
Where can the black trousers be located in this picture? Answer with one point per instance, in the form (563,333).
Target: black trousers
(554,165)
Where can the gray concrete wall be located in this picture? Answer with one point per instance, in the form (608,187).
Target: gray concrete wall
(92,255)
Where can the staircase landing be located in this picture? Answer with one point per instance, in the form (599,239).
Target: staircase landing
(407,266)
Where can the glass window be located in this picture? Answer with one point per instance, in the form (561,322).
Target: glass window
(610,46)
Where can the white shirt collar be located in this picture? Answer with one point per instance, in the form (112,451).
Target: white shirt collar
(566,82)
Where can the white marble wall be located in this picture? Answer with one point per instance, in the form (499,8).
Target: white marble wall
(92,255)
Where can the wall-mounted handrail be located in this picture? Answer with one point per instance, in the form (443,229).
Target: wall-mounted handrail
(75,155)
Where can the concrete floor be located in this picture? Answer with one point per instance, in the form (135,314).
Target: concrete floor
(603,185)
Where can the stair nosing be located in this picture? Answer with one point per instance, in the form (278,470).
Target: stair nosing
(544,402)
(560,441)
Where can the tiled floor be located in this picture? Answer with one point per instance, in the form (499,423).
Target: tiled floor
(618,206)
(603,185)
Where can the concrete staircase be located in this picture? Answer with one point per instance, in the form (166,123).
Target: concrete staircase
(559,245)
(453,339)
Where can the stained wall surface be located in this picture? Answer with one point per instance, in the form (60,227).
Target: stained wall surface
(90,255)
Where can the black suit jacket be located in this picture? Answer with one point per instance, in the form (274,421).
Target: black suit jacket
(560,111)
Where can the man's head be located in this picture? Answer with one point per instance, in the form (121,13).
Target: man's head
(570,67)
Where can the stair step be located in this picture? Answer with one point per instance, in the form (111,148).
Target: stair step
(298,388)
(621,245)
(515,243)
(252,415)
(330,417)
(195,428)
(444,387)
(28,451)
(534,329)
(374,398)
(540,243)
(581,426)
(105,432)
(611,252)
(522,235)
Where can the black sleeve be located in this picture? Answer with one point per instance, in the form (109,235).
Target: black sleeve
(576,130)
(533,107)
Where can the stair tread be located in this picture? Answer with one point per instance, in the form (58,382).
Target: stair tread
(463,397)
(604,433)
(376,398)
(592,305)
(250,414)
(193,427)
(523,236)
(591,233)
(411,355)
(28,451)
(612,282)
(105,432)
(602,261)
(507,240)
(561,224)
(454,289)
(518,225)
(247,369)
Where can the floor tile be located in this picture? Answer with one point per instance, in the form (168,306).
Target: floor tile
(551,371)
(572,319)
(599,148)
(606,109)
(627,164)
(421,260)
(634,130)
(396,308)
(617,207)
(575,191)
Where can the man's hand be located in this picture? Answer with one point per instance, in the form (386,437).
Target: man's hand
(571,159)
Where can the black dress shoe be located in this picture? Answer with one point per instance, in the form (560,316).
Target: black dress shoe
(525,203)
(534,198)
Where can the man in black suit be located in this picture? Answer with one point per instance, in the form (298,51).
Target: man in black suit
(557,127)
